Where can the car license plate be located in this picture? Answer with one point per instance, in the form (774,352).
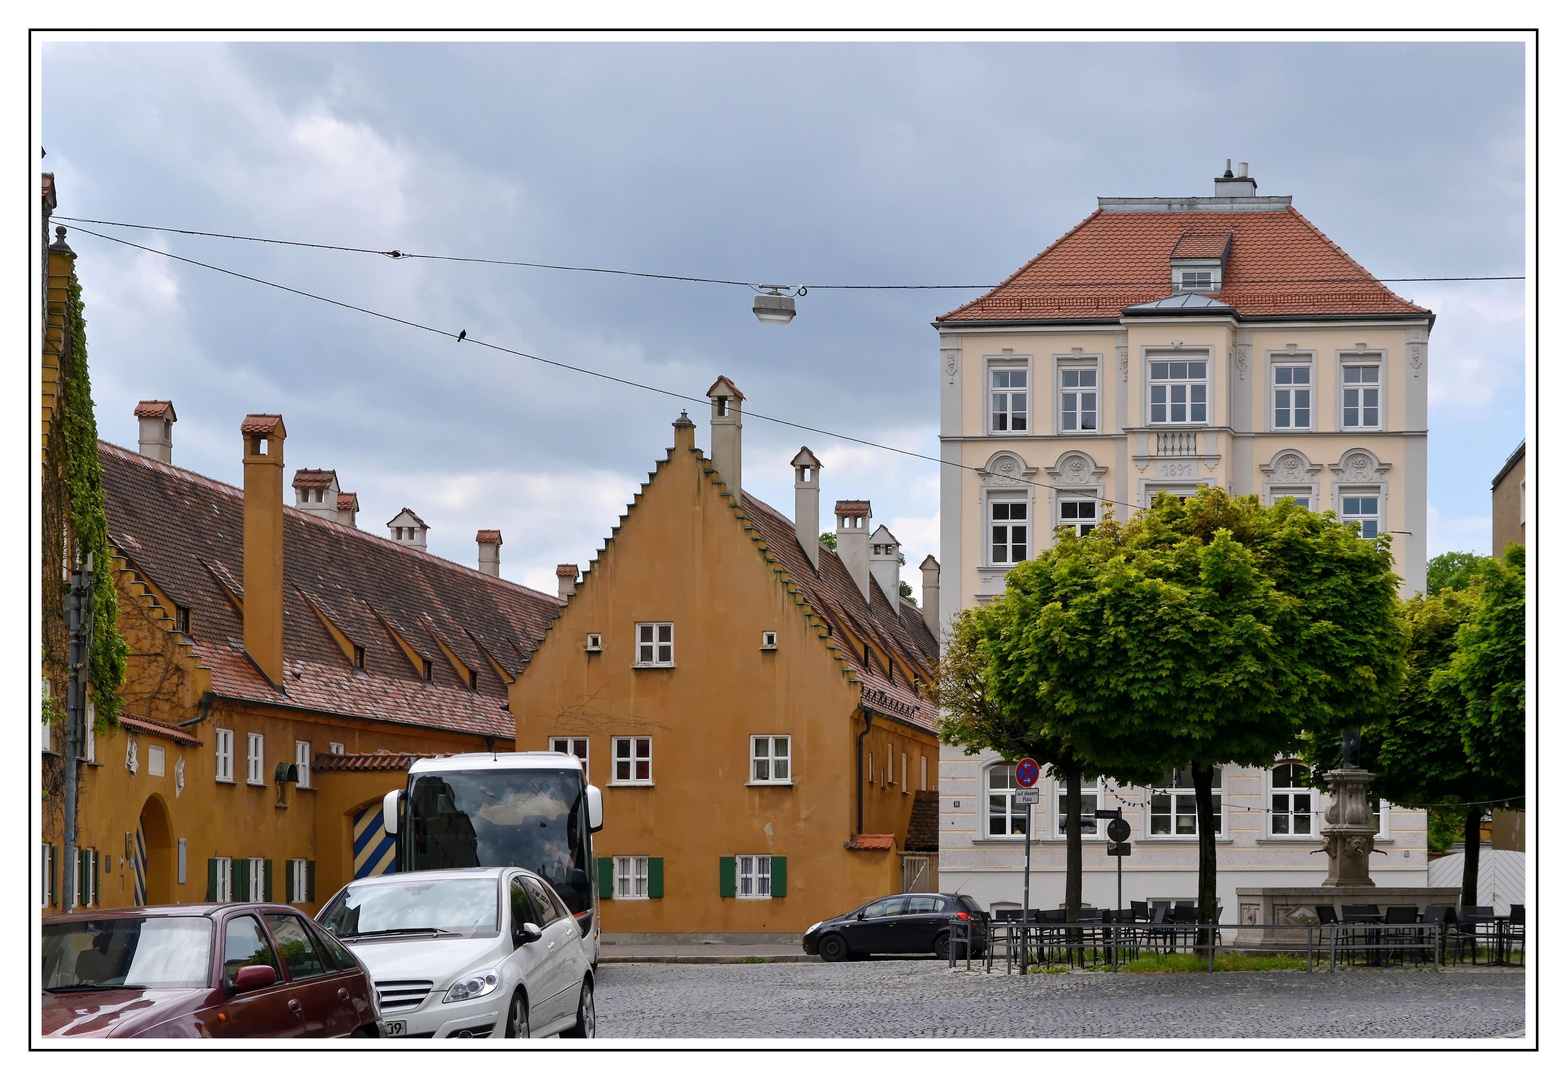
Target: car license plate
(393,1028)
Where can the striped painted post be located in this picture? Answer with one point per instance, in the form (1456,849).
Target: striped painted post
(375,852)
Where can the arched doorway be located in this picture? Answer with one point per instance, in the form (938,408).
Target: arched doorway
(154,854)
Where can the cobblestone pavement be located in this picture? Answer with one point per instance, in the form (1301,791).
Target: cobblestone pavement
(922,998)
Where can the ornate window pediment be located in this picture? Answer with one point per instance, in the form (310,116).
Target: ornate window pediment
(1360,466)
(1075,467)
(1006,469)
(1290,467)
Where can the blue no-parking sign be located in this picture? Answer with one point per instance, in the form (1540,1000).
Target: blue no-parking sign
(1027,772)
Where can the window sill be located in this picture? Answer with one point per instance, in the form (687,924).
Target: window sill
(652,667)
(770,783)
(630,783)
(221,780)
(633,898)
(254,783)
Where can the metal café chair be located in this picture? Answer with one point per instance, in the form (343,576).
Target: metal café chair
(1401,933)
(1471,919)
(1433,928)
(1184,916)
(1140,910)
(1358,915)
(1513,928)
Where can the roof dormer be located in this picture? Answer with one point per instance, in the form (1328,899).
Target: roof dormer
(1198,259)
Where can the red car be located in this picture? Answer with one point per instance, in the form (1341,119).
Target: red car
(201,971)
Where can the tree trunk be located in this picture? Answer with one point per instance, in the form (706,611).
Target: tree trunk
(1207,852)
(1471,856)
(1074,842)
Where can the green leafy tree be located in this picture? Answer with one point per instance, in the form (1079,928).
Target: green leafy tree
(977,718)
(1452,570)
(1206,631)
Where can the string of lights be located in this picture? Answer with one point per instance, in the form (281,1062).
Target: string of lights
(398,254)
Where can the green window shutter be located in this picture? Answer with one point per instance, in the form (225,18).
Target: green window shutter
(54,875)
(780,876)
(655,878)
(94,861)
(212,880)
(726,875)
(606,871)
(266,880)
(241,875)
(310,880)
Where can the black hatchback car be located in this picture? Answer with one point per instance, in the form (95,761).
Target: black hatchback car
(916,923)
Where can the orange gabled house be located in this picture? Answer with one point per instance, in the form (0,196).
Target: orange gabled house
(746,696)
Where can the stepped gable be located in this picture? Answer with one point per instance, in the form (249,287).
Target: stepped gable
(836,598)
(184,533)
(1277,260)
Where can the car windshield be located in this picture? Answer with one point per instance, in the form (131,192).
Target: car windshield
(466,905)
(146,953)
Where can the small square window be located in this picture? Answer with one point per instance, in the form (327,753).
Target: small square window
(769,639)
(155,760)
(655,645)
(754,877)
(633,759)
(359,657)
(595,643)
(334,747)
(770,760)
(575,745)
(182,620)
(630,877)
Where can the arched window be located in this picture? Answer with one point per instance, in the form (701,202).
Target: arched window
(1005,817)
(1291,800)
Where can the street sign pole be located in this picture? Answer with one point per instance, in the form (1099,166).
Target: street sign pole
(1028,837)
(1027,774)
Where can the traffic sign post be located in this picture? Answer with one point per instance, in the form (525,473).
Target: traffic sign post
(1027,777)
(1118,831)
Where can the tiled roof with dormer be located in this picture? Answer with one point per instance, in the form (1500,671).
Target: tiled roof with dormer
(184,532)
(1279,265)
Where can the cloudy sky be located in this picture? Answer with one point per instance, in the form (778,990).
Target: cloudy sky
(816,163)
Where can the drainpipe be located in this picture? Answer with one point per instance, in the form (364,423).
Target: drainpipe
(207,698)
(859,769)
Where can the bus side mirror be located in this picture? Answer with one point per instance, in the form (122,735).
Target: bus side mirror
(595,808)
(389,812)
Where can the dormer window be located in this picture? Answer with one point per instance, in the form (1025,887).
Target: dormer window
(1198,259)
(1195,281)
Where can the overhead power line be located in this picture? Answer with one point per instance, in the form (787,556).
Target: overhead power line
(399,254)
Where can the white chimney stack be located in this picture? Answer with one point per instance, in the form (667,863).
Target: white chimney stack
(408,529)
(884,564)
(726,399)
(854,541)
(489,541)
(930,597)
(566,580)
(808,504)
(1234,186)
(156,435)
(348,508)
(316,492)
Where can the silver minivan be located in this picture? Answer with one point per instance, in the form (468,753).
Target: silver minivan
(472,953)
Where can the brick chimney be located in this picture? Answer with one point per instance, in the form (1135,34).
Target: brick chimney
(884,564)
(726,399)
(263,541)
(348,508)
(808,504)
(316,492)
(930,596)
(155,438)
(489,541)
(854,541)
(566,580)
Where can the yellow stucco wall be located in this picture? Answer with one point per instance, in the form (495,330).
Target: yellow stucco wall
(680,556)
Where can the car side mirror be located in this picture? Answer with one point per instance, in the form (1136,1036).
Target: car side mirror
(252,977)
(859,915)
(578,878)
(595,808)
(528,932)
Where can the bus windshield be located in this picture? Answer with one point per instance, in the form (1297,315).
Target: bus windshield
(532,818)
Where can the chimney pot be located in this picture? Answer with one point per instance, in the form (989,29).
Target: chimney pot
(566,580)
(155,420)
(685,432)
(263,542)
(489,541)
(316,492)
(348,508)
(854,541)
(930,595)
(1233,185)
(884,564)
(726,399)
(808,505)
(409,530)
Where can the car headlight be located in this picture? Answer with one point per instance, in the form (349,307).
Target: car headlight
(815,926)
(473,986)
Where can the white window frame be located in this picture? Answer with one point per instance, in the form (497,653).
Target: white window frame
(1384,812)
(624,751)
(924,773)
(47,866)
(752,874)
(255,758)
(302,762)
(1077,497)
(1277,493)
(887,782)
(904,767)
(1011,813)
(1307,360)
(771,757)
(1356,358)
(90,737)
(1301,801)
(334,747)
(630,881)
(225,879)
(1012,496)
(256,877)
(1204,357)
(1076,363)
(1093,799)
(1175,793)
(570,744)
(1180,489)
(155,760)
(223,755)
(1179,271)
(1362,491)
(655,645)
(298,880)
(1009,364)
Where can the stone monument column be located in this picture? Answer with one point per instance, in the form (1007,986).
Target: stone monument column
(1350,833)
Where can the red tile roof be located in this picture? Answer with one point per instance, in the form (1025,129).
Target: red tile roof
(262,424)
(1196,244)
(567,569)
(723,383)
(184,532)
(131,722)
(488,536)
(380,761)
(852,506)
(411,514)
(315,478)
(155,409)
(872,842)
(347,500)
(1279,265)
